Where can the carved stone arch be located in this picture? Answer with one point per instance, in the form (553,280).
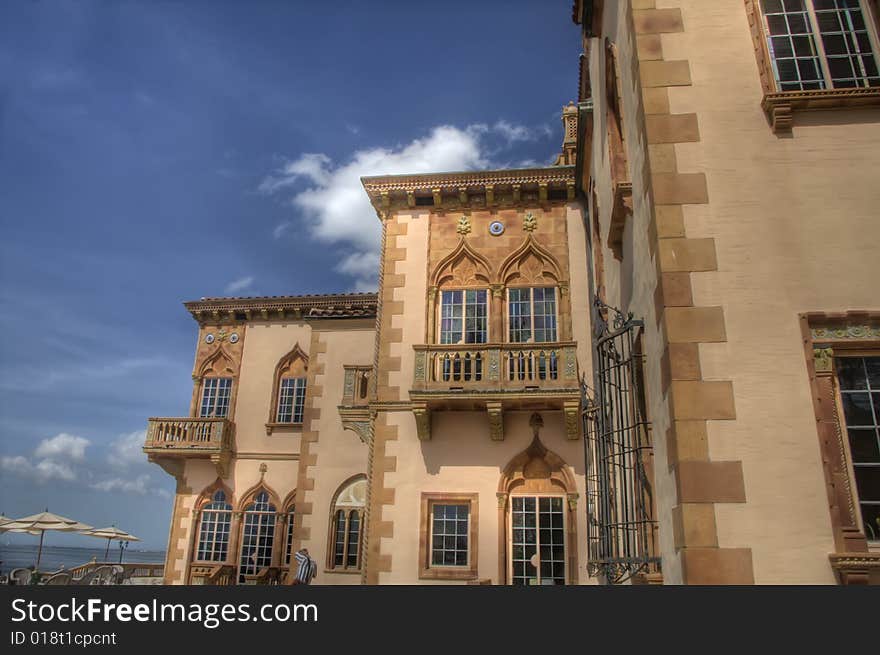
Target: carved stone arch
(248,497)
(220,363)
(350,498)
(537,463)
(463,267)
(289,501)
(208,493)
(294,364)
(537,470)
(530,264)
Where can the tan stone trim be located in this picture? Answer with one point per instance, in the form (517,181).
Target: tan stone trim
(691,400)
(267,456)
(856,568)
(821,333)
(427,571)
(180,523)
(308,460)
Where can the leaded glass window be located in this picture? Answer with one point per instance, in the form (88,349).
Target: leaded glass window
(450,525)
(859,379)
(538,540)
(531,315)
(257,536)
(215,519)
(215,397)
(463,316)
(291,400)
(819,44)
(346,525)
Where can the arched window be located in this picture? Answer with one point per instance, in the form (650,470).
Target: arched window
(289,390)
(288,533)
(347,525)
(257,536)
(214,522)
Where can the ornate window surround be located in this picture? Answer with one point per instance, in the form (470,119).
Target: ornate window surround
(206,498)
(294,364)
(331,566)
(427,571)
(824,334)
(537,471)
(219,364)
(781,105)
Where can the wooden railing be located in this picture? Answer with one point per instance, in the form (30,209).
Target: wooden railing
(268,575)
(212,574)
(496,367)
(208,434)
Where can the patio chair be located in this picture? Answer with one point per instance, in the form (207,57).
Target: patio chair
(60,578)
(20,576)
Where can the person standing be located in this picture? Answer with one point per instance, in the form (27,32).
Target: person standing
(307,569)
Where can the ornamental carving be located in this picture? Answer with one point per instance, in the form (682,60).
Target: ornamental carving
(463,267)
(530,222)
(531,263)
(846,332)
(823,359)
(464,226)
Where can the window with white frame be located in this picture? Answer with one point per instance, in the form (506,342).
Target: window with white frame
(531,315)
(291,400)
(214,522)
(859,380)
(215,397)
(257,536)
(464,316)
(820,44)
(450,529)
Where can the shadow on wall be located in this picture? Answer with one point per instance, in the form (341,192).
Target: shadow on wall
(453,432)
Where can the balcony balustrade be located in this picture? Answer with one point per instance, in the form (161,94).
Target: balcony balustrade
(495,377)
(171,439)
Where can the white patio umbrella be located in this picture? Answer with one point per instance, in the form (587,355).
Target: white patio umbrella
(6,519)
(40,523)
(110,534)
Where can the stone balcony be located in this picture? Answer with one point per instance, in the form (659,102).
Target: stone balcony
(496,377)
(170,441)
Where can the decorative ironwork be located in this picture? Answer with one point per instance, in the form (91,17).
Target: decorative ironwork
(621,530)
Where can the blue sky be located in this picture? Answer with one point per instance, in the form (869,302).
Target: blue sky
(156,152)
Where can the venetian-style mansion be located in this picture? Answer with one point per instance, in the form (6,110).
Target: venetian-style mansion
(655,361)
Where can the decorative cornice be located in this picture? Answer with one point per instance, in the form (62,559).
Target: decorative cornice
(351,305)
(780,106)
(848,332)
(471,189)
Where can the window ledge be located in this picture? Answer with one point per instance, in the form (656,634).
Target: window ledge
(283,427)
(780,106)
(465,573)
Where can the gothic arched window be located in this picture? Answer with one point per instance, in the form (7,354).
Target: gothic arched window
(347,525)
(215,519)
(257,536)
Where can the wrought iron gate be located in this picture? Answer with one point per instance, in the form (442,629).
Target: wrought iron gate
(621,529)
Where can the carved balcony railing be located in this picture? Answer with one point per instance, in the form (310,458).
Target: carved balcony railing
(495,367)
(494,377)
(176,438)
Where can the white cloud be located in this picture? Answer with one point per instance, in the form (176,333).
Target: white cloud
(43,471)
(336,208)
(62,446)
(126,450)
(239,285)
(140,485)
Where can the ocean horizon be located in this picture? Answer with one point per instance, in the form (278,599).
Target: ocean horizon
(54,558)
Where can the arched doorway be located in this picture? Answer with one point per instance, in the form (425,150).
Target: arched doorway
(537,521)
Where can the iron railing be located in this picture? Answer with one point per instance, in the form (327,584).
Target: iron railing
(621,528)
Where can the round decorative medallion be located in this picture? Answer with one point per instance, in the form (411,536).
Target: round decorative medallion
(209,338)
(496,228)
(233,338)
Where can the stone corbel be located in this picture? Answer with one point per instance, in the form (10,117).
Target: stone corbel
(221,463)
(823,359)
(572,411)
(496,420)
(423,421)
(171,465)
(623,209)
(438,199)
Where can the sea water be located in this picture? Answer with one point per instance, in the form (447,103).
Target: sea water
(57,557)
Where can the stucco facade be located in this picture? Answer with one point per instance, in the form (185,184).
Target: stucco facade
(634,365)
